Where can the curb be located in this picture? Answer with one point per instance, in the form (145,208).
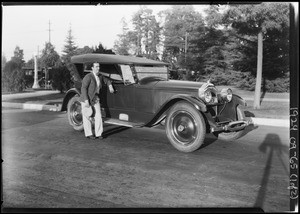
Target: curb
(271,122)
(41,107)
(32,106)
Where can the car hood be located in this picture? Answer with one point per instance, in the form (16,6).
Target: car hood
(179,85)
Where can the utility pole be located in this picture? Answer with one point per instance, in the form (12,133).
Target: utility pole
(256,104)
(36,82)
(185,46)
(49,32)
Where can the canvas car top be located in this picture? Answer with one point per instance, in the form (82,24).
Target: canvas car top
(114,59)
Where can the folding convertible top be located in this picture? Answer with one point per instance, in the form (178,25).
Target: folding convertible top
(114,59)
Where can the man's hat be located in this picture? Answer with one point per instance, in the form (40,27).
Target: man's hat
(88,112)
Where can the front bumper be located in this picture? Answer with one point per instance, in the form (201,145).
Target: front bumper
(232,126)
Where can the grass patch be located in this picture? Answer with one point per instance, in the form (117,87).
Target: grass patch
(268,109)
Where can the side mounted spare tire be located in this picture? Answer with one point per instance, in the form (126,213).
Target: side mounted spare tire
(74,113)
(185,127)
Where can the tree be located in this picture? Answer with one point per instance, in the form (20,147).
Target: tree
(70,49)
(49,59)
(18,56)
(13,77)
(102,50)
(145,37)
(84,50)
(258,20)
(122,45)
(3,61)
(182,25)
(61,78)
(213,17)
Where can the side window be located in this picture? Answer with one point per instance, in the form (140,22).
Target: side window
(79,73)
(87,68)
(151,71)
(127,74)
(108,70)
(111,71)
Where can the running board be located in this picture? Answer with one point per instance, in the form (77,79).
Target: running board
(122,123)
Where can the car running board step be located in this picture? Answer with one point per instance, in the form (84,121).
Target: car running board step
(122,123)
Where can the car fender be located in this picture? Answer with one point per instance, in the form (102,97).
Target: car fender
(239,100)
(161,113)
(70,93)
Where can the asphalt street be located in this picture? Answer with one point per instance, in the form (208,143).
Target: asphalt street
(49,165)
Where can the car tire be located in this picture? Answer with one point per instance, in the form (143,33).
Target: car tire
(185,127)
(74,113)
(231,136)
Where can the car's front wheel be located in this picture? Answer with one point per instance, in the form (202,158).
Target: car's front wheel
(74,113)
(185,127)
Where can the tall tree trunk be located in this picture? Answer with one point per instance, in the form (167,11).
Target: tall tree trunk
(256,104)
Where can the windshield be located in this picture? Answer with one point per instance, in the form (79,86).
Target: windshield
(151,71)
(127,74)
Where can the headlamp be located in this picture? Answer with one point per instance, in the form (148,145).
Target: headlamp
(226,94)
(207,92)
(207,96)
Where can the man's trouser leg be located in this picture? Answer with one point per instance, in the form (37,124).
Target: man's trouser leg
(87,124)
(98,120)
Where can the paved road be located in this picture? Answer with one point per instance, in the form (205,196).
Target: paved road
(48,165)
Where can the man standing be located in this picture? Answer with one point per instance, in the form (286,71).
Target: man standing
(90,90)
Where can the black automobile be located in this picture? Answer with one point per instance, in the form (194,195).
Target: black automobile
(146,97)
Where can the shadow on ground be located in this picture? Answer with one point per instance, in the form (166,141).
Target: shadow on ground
(113,130)
(248,114)
(271,145)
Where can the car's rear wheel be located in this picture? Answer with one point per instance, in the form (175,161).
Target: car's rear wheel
(231,136)
(185,127)
(74,113)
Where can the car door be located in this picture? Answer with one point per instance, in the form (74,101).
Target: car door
(121,104)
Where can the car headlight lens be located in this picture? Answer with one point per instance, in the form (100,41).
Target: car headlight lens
(226,94)
(207,92)
(207,96)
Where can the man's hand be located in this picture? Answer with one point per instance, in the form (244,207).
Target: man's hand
(111,89)
(87,103)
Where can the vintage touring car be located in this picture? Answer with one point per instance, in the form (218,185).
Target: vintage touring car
(146,97)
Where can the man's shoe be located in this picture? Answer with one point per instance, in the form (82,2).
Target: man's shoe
(100,137)
(91,137)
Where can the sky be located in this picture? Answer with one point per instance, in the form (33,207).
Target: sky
(28,26)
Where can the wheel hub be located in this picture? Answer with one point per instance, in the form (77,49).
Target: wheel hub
(181,128)
(184,127)
(76,113)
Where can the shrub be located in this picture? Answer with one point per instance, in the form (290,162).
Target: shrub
(278,85)
(247,82)
(219,77)
(61,78)
(13,78)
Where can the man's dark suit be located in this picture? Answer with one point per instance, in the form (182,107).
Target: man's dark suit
(89,87)
(89,92)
